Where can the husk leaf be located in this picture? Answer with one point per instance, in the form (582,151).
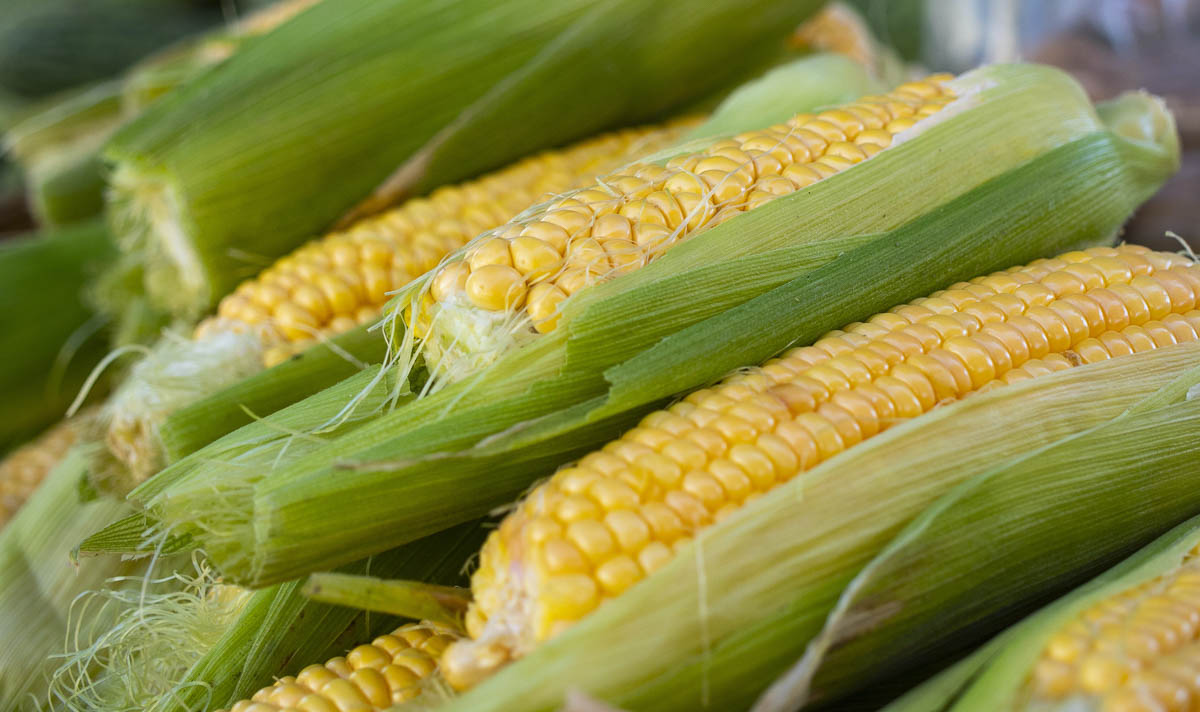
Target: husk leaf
(39,582)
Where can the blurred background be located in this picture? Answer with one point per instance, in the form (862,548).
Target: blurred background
(1109,45)
(50,49)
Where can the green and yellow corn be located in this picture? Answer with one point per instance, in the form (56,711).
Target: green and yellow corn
(1136,650)
(391,670)
(508,286)
(1127,641)
(333,284)
(24,469)
(619,514)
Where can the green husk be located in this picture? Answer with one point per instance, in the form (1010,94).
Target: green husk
(241,641)
(49,338)
(809,82)
(413,599)
(488,437)
(221,177)
(39,582)
(58,143)
(998,685)
(934,586)
(57,148)
(316,368)
(740,604)
(938,692)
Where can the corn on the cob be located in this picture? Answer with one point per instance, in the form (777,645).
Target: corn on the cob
(330,285)
(23,470)
(391,670)
(510,284)
(599,527)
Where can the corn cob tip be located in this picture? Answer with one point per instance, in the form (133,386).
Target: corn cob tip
(602,525)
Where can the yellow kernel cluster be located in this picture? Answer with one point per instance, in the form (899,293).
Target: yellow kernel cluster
(23,470)
(388,671)
(1138,651)
(625,220)
(600,526)
(333,284)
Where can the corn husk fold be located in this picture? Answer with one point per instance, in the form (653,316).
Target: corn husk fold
(223,176)
(488,437)
(737,607)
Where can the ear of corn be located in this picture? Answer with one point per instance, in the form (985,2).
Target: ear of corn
(470,83)
(394,492)
(213,644)
(40,582)
(597,528)
(51,340)
(1123,641)
(58,145)
(738,604)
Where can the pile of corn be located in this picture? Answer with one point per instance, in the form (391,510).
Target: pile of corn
(761,374)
